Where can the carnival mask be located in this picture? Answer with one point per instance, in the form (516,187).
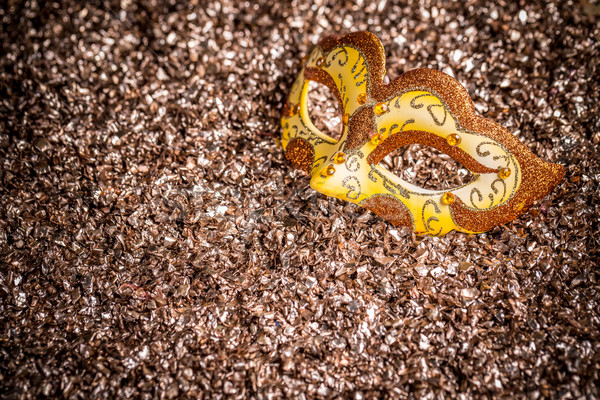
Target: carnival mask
(422,106)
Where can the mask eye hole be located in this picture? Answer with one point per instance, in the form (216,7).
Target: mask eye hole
(323,110)
(426,167)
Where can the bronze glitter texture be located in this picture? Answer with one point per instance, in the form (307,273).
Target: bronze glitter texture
(405,138)
(389,208)
(361,126)
(301,154)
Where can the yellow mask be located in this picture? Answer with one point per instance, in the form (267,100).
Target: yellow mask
(422,106)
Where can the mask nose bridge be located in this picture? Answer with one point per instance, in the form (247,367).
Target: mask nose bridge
(314,179)
(317,174)
(324,151)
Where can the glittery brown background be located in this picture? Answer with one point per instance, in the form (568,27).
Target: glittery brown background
(155,243)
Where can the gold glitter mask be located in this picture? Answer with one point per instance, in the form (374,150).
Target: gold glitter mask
(422,106)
